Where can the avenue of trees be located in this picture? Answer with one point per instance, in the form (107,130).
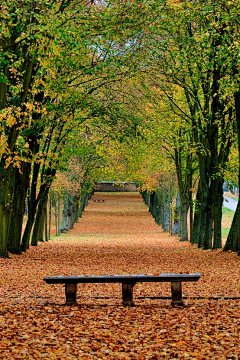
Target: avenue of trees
(144,91)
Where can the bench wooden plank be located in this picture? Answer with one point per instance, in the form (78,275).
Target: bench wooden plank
(122,278)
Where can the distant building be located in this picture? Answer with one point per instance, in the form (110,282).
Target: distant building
(115,186)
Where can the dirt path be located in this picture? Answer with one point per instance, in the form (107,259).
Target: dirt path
(118,236)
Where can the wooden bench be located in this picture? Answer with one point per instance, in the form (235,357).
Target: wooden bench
(128,282)
(98,200)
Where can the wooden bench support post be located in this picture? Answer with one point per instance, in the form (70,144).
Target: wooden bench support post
(127,294)
(177,293)
(71,293)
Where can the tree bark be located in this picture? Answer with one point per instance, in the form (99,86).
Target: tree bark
(46,224)
(59,207)
(39,221)
(176,216)
(50,215)
(217,214)
(6,207)
(32,205)
(183,220)
(197,219)
(151,201)
(82,202)
(166,216)
(19,199)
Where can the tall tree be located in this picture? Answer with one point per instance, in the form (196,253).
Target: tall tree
(56,55)
(189,52)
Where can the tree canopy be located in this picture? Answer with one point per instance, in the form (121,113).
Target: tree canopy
(118,90)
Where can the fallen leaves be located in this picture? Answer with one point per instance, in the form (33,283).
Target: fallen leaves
(35,323)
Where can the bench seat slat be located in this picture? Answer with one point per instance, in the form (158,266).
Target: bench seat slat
(122,278)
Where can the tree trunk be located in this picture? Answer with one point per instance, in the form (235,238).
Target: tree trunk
(19,200)
(197,219)
(207,243)
(196,226)
(205,211)
(74,210)
(176,216)
(217,214)
(77,209)
(166,216)
(32,205)
(56,216)
(151,202)
(203,224)
(6,207)
(183,220)
(145,196)
(154,205)
(59,207)
(64,227)
(191,213)
(50,215)
(82,202)
(39,221)
(170,220)
(41,225)
(46,224)
(213,237)
(5,217)
(70,212)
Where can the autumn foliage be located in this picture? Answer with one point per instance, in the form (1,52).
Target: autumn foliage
(118,236)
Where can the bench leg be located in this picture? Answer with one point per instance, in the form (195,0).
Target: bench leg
(127,294)
(177,293)
(71,292)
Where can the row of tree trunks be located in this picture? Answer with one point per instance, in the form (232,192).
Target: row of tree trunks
(69,212)
(159,204)
(73,208)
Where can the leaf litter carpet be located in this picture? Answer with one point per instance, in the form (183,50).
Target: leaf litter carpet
(118,236)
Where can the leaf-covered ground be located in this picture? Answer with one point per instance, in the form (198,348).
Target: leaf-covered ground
(118,236)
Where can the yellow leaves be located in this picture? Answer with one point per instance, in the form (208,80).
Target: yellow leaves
(8,161)
(29,106)
(174,3)
(11,120)
(44,110)
(51,73)
(3,144)
(13,71)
